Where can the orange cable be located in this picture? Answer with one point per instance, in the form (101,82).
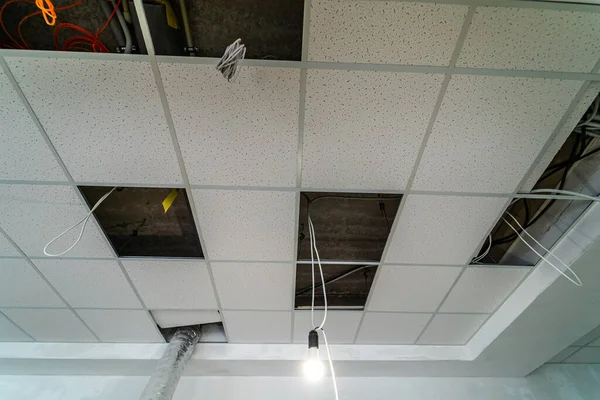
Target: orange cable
(47,9)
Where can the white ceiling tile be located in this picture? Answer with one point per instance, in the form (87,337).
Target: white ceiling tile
(22,286)
(249,286)
(341,326)
(481,289)
(172,284)
(451,329)
(6,247)
(442,229)
(243,132)
(9,332)
(567,129)
(90,283)
(384,31)
(418,289)
(258,326)
(23,151)
(532,39)
(587,355)
(563,354)
(391,328)
(51,325)
(127,326)
(110,109)
(489,130)
(247,225)
(33,215)
(363,129)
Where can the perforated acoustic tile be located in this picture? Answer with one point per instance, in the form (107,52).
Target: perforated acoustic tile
(582,105)
(403,288)
(341,325)
(89,283)
(532,39)
(6,247)
(23,151)
(246,224)
(391,328)
(258,326)
(243,132)
(9,332)
(482,289)
(122,123)
(32,215)
(21,286)
(363,129)
(451,329)
(384,31)
(122,326)
(442,229)
(172,284)
(251,286)
(51,325)
(489,130)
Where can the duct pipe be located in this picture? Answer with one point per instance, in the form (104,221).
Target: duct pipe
(163,381)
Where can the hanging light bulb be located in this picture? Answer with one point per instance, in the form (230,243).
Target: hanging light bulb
(313,367)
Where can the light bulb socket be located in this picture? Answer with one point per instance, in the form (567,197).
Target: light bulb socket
(313,339)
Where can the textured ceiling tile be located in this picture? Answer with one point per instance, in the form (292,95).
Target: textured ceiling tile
(452,329)
(243,132)
(481,290)
(249,286)
(21,286)
(582,105)
(23,151)
(258,326)
(417,289)
(341,326)
(89,283)
(384,32)
(532,39)
(391,328)
(172,284)
(587,355)
(51,325)
(442,229)
(247,225)
(363,129)
(33,215)
(110,109)
(10,333)
(489,130)
(126,326)
(6,247)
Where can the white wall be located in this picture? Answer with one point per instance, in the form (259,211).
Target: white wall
(551,382)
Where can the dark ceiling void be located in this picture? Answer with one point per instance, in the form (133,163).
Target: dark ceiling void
(136,223)
(348,226)
(347,286)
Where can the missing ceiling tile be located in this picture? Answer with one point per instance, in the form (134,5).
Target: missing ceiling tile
(136,223)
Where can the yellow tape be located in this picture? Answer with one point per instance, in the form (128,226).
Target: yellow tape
(168,201)
(171,17)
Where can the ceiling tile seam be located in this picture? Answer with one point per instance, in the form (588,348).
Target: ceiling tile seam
(169,119)
(16,325)
(436,108)
(73,55)
(571,355)
(43,277)
(491,315)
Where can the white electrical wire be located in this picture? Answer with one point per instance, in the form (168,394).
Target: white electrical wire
(229,63)
(84,220)
(485,253)
(313,243)
(567,268)
(567,192)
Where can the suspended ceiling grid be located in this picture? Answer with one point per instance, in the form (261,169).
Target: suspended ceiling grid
(453,105)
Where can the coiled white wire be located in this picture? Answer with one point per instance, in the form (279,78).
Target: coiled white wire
(84,220)
(229,63)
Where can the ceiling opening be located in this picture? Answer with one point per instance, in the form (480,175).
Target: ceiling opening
(153,222)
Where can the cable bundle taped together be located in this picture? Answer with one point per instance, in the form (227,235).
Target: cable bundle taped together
(229,63)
